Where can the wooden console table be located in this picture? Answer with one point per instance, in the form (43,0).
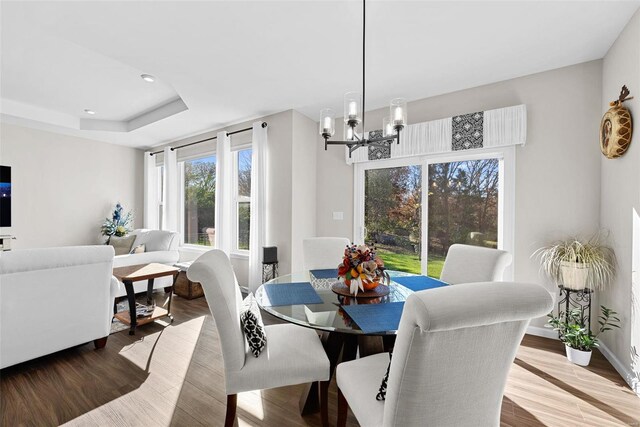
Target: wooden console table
(136,273)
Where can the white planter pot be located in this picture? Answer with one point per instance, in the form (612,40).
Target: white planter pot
(574,274)
(578,357)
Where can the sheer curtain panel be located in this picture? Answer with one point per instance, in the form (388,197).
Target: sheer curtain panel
(150,192)
(257,228)
(170,187)
(224,197)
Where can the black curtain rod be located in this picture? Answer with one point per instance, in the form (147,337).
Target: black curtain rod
(264,125)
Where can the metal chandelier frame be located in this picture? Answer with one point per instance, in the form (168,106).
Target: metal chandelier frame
(380,142)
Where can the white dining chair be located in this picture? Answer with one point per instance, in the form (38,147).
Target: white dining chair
(323,252)
(467,264)
(293,354)
(451,359)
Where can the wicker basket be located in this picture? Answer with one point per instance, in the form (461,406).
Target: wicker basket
(186,288)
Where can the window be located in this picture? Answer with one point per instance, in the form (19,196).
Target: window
(466,198)
(200,201)
(463,207)
(392,215)
(242,205)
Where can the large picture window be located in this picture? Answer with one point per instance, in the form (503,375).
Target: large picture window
(200,201)
(414,209)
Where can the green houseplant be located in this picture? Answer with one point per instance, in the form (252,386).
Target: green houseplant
(578,339)
(579,264)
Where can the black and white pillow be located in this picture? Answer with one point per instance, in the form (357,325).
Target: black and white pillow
(252,325)
(382,391)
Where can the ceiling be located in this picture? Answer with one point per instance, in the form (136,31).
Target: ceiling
(232,61)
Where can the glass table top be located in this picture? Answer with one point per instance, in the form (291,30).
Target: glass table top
(328,316)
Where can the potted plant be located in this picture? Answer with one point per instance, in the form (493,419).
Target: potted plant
(579,341)
(577,264)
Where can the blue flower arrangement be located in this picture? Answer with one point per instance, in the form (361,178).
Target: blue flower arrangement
(118,225)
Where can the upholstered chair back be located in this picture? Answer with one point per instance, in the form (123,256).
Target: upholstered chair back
(467,264)
(323,252)
(453,352)
(214,272)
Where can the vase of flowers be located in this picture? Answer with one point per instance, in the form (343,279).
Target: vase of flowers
(118,225)
(361,269)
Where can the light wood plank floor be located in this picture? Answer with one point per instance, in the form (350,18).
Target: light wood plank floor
(173,376)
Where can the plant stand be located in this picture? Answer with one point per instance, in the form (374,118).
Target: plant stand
(571,299)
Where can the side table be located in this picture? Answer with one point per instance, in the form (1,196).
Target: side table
(136,273)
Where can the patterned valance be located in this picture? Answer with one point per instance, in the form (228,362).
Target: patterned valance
(484,129)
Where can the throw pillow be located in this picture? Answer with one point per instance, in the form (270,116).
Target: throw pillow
(382,391)
(252,325)
(157,240)
(122,245)
(138,249)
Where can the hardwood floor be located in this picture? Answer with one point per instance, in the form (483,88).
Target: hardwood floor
(173,376)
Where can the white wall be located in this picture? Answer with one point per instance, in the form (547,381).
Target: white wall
(557,171)
(620,204)
(64,186)
(303,194)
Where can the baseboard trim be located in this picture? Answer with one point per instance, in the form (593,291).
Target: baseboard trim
(542,332)
(625,373)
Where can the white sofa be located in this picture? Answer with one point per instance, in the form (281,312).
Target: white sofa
(54,298)
(160,246)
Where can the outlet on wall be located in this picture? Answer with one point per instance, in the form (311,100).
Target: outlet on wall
(338,216)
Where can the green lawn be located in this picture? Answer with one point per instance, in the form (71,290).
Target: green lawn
(410,262)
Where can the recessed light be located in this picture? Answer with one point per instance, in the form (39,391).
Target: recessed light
(148,78)
(89,111)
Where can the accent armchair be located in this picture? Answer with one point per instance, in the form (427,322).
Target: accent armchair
(293,354)
(451,360)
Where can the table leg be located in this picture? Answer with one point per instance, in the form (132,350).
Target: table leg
(350,349)
(175,277)
(332,343)
(131,297)
(150,291)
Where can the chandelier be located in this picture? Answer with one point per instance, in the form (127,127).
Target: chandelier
(354,112)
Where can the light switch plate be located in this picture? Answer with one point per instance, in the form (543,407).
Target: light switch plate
(338,216)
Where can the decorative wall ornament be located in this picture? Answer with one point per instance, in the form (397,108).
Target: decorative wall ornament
(616,127)
(467,131)
(501,127)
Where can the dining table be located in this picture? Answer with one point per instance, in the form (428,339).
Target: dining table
(348,326)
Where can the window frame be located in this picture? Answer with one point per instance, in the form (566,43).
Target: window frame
(506,191)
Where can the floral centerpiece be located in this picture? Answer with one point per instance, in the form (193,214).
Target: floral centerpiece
(118,225)
(361,269)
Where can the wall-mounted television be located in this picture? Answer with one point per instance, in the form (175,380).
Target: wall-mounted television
(5,196)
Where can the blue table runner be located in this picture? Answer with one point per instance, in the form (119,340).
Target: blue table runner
(327,273)
(291,294)
(376,317)
(418,283)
